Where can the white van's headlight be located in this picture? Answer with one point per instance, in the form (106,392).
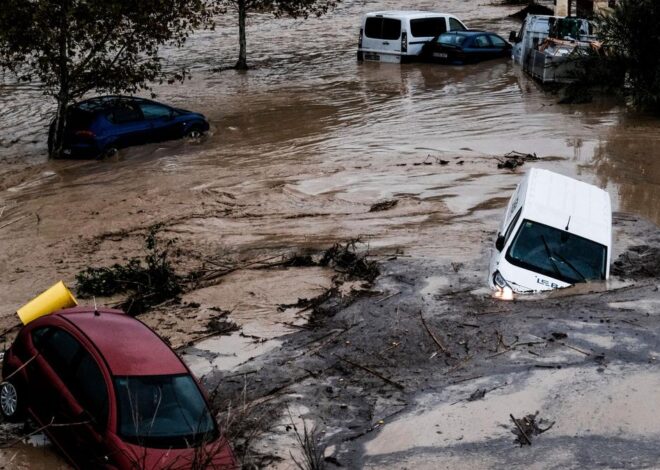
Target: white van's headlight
(504,290)
(499,281)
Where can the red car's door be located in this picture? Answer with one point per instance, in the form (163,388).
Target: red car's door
(74,396)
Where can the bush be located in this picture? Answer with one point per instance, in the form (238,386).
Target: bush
(148,282)
(632,39)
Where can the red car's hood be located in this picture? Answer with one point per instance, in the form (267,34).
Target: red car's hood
(216,455)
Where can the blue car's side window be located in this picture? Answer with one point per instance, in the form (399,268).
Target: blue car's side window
(124,114)
(481,42)
(497,41)
(155,111)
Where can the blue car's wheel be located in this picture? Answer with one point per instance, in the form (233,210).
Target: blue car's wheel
(194,133)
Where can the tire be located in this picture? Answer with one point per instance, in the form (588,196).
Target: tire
(11,402)
(194,133)
(108,152)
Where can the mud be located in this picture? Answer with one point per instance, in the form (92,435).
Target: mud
(386,396)
(302,148)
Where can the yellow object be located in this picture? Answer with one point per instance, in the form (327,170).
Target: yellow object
(55,298)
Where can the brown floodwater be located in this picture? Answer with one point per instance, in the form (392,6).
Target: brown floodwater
(301,146)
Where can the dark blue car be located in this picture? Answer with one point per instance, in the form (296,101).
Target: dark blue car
(100,126)
(462,47)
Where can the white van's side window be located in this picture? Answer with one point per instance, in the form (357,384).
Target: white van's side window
(427,27)
(382,28)
(511,226)
(455,25)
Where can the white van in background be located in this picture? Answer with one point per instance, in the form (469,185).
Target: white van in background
(556,232)
(398,36)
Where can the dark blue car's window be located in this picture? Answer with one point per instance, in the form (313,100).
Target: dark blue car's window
(155,111)
(451,39)
(78,119)
(481,41)
(124,113)
(497,41)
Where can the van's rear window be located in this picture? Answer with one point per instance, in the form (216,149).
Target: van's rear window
(382,28)
(427,27)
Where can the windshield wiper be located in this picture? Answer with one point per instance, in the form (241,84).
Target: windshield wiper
(570,265)
(549,253)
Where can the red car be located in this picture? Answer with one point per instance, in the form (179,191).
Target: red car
(110,394)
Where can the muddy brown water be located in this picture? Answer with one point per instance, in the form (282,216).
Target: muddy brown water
(301,146)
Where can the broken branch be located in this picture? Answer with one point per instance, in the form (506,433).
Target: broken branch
(371,371)
(433,337)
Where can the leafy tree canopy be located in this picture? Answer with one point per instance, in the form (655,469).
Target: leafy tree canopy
(72,47)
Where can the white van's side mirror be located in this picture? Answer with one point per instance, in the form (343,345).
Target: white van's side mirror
(513,37)
(499,243)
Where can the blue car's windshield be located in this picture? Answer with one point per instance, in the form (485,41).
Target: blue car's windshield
(451,39)
(165,411)
(557,253)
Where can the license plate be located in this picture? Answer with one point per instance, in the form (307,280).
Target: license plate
(440,55)
(371,56)
(66,151)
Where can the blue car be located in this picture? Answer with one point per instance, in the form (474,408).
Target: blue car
(100,126)
(462,47)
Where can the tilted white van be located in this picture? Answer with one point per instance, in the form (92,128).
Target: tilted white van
(398,36)
(556,232)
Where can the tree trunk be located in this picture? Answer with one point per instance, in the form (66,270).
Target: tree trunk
(242,54)
(56,132)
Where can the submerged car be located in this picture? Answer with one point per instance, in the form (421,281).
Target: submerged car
(102,125)
(556,232)
(463,47)
(110,394)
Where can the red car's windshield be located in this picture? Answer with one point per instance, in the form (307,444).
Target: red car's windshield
(164,411)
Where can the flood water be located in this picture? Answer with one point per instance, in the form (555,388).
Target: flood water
(303,144)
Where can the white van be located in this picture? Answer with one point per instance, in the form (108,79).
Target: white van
(398,36)
(556,232)
(536,28)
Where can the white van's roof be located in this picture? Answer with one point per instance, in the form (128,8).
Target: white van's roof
(409,14)
(552,199)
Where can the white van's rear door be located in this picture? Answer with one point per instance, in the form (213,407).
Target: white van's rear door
(382,39)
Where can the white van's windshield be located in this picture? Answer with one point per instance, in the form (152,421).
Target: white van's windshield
(557,253)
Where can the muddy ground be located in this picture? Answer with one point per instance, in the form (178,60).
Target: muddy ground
(304,148)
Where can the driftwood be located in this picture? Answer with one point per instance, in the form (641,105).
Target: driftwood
(433,337)
(371,371)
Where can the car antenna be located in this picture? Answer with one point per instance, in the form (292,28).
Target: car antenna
(568,223)
(96,310)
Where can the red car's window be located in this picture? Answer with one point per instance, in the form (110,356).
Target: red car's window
(76,368)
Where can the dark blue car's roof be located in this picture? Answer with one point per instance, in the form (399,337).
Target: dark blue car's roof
(102,103)
(468,33)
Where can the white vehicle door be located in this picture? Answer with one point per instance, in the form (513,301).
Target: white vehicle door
(382,39)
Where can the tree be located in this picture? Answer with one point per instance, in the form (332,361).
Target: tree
(72,47)
(632,38)
(291,8)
